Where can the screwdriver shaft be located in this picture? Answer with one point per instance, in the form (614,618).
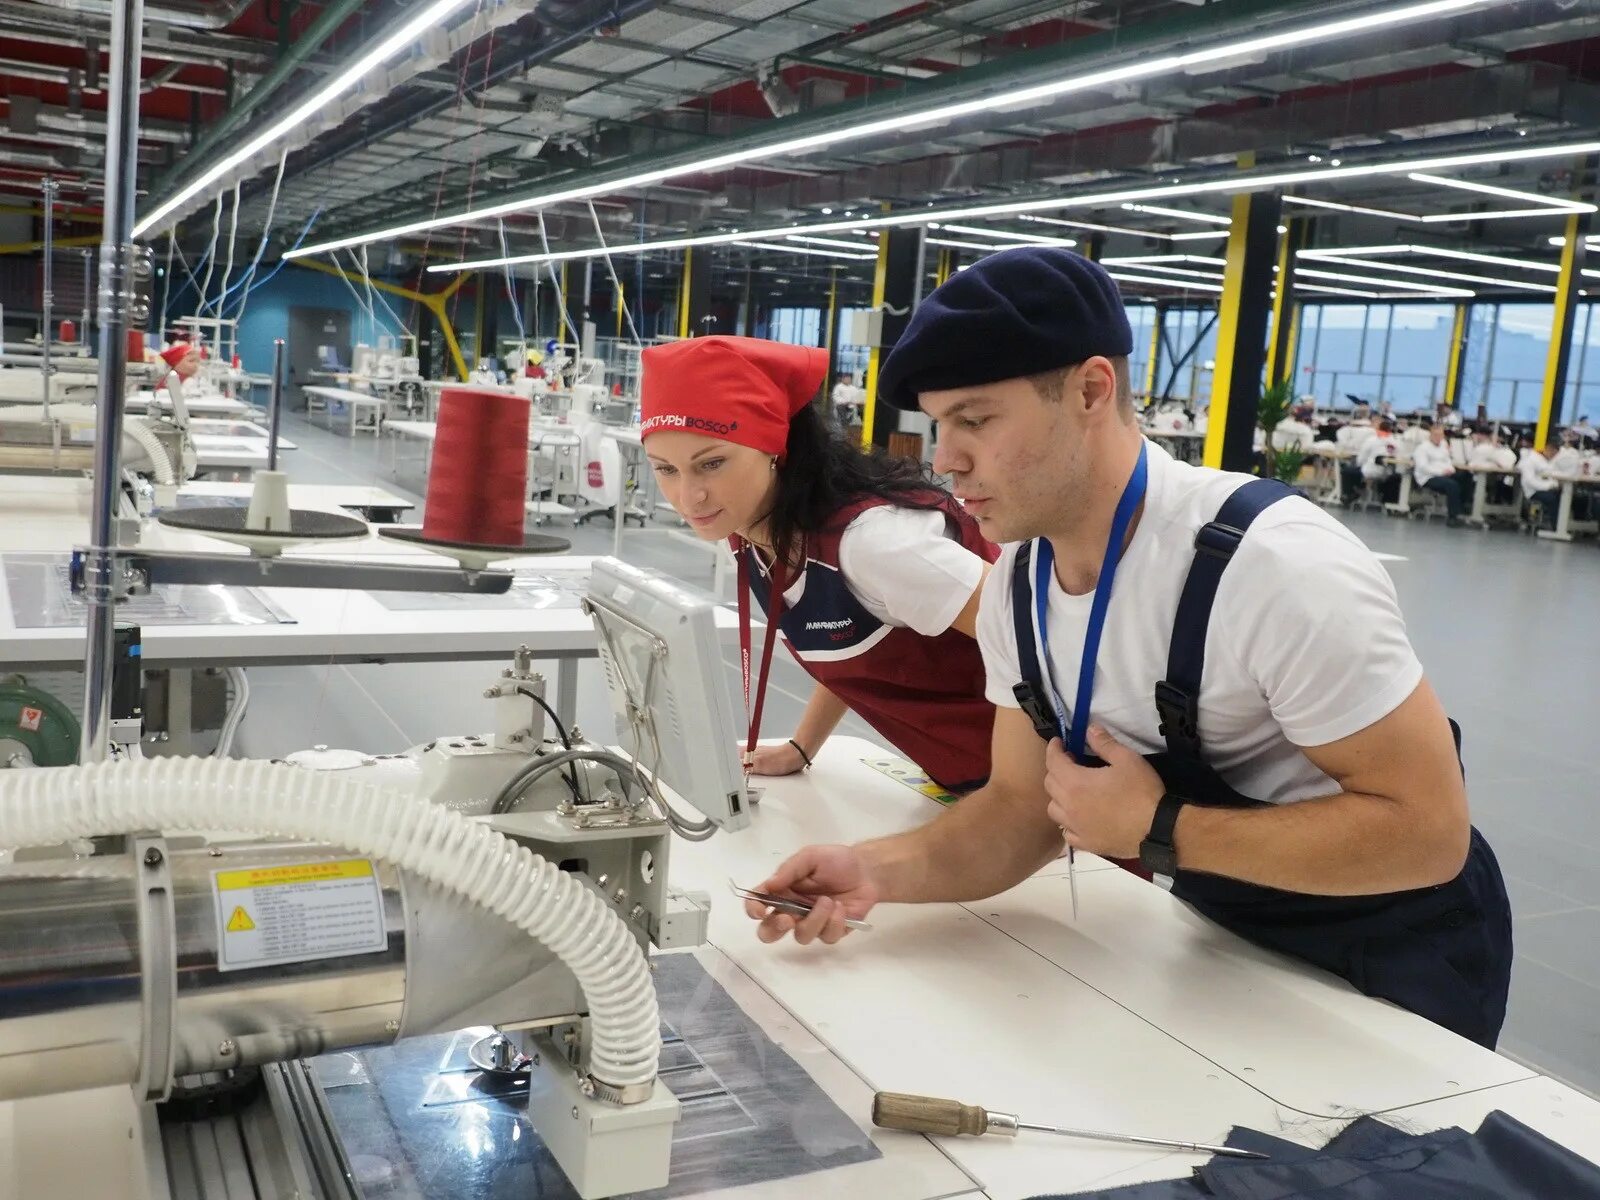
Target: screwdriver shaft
(1135,1140)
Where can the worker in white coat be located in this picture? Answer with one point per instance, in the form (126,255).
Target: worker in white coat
(1357,430)
(1374,461)
(1432,468)
(1486,452)
(1539,489)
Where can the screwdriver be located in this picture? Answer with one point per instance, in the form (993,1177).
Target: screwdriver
(926,1114)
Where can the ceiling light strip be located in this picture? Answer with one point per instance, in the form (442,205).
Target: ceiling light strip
(1243,182)
(1142,67)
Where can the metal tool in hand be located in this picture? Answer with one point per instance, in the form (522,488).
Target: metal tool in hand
(785,904)
(950,1118)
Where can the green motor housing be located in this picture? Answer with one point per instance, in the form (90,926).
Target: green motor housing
(36,729)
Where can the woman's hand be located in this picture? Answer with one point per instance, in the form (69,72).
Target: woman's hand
(781,759)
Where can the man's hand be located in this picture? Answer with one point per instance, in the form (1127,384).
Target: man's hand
(782,759)
(1104,810)
(834,878)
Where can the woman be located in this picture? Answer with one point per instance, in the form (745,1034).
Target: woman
(872,571)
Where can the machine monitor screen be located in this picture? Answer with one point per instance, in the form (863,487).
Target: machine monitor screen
(662,660)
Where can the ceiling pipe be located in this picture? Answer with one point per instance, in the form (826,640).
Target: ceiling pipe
(184,16)
(302,48)
(53,27)
(507,62)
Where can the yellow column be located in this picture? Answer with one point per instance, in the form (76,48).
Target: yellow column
(1155,352)
(1283,309)
(869,410)
(1555,366)
(1227,331)
(1458,348)
(683,294)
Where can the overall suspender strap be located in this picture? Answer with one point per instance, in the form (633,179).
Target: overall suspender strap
(1178,695)
(1031,693)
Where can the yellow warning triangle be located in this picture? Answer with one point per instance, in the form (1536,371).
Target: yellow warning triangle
(240,922)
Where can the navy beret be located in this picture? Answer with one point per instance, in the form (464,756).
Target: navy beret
(1015,313)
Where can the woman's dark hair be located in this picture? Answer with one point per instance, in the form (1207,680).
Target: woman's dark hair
(822,472)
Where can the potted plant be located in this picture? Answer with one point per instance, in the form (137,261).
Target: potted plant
(1271,411)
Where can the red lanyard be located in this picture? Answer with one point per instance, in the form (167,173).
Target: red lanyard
(774,611)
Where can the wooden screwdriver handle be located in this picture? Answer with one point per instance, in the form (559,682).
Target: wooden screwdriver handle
(927,1114)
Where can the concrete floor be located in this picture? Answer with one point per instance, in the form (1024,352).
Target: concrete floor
(1503,623)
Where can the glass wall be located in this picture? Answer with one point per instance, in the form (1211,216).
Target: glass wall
(797,326)
(1583,371)
(1399,353)
(1180,374)
(851,358)
(1142,319)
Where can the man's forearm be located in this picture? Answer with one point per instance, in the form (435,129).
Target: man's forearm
(1347,844)
(982,845)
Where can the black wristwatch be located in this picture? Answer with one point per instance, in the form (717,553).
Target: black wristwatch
(1158,852)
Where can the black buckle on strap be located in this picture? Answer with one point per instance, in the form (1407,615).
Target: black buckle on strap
(1038,710)
(1218,540)
(1180,715)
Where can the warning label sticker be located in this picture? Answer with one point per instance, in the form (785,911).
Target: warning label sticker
(297,912)
(30,719)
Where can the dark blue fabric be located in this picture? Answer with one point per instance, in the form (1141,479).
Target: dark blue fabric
(1009,315)
(827,617)
(1504,1160)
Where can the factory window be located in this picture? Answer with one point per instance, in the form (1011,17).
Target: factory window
(1398,353)
(1515,377)
(797,326)
(1142,320)
(1187,355)
(1583,368)
(851,359)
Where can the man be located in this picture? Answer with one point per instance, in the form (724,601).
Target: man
(1347,841)
(1487,452)
(1375,463)
(1356,431)
(1435,471)
(1539,489)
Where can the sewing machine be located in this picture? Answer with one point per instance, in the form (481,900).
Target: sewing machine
(203,967)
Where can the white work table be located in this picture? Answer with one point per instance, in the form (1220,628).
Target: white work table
(198,406)
(1139,1017)
(1565,525)
(374,503)
(365,409)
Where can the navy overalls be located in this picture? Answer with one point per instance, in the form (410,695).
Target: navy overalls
(923,694)
(1442,952)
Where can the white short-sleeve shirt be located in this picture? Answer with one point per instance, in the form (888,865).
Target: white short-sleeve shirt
(1306,643)
(906,568)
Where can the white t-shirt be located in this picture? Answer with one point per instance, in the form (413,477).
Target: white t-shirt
(1379,445)
(1306,643)
(1353,435)
(1487,454)
(1536,472)
(1430,462)
(905,568)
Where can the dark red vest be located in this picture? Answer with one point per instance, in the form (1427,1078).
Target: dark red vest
(924,695)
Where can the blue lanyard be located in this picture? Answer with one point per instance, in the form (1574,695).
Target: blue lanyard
(1044,563)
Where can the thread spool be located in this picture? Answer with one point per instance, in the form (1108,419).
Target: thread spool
(68,332)
(479,479)
(135,345)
